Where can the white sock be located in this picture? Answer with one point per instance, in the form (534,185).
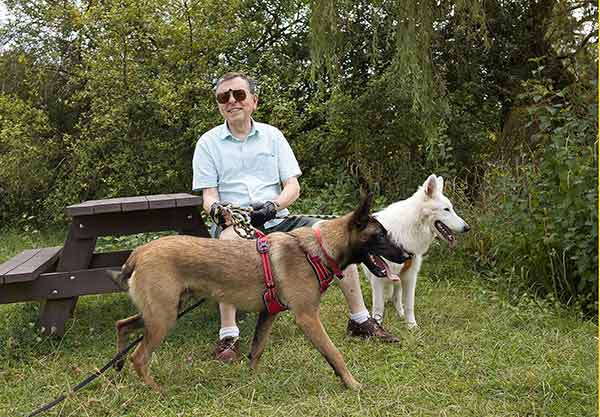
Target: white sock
(229,332)
(360,317)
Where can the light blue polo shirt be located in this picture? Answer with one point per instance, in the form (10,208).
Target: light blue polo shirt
(244,172)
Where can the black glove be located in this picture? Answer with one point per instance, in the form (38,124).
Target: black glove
(262,213)
(217,213)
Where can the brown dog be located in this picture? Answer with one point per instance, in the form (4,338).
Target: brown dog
(161,273)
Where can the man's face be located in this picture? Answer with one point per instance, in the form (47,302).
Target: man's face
(237,111)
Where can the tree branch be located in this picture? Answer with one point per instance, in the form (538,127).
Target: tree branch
(579,48)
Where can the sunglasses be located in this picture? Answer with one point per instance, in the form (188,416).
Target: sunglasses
(238,95)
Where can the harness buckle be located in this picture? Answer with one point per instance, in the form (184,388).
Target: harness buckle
(262,245)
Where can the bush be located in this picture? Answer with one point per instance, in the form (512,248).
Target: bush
(28,158)
(539,220)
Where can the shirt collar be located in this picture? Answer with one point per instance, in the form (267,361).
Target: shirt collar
(226,133)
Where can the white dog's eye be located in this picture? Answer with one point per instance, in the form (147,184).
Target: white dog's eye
(446,209)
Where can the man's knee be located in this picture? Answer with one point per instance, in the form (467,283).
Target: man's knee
(351,272)
(350,283)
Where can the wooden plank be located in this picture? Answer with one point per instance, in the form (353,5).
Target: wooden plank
(81,209)
(187,200)
(34,266)
(194,224)
(113,205)
(159,201)
(142,221)
(113,259)
(58,287)
(89,207)
(17,260)
(110,205)
(134,203)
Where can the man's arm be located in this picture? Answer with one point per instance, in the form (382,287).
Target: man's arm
(289,194)
(220,216)
(209,196)
(265,211)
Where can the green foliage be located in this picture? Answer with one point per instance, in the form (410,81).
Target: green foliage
(540,223)
(108,99)
(28,158)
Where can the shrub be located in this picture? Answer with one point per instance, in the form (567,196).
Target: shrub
(539,219)
(28,158)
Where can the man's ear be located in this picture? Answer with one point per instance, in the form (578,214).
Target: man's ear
(360,217)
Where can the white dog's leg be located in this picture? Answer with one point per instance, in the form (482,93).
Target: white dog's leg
(378,291)
(409,284)
(397,298)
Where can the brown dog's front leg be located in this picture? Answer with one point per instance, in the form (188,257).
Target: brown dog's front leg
(311,325)
(264,324)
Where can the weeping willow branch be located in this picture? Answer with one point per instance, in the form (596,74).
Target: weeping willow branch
(324,35)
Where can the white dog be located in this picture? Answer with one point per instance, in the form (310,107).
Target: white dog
(414,223)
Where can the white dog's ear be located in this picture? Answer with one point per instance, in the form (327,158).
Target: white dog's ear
(430,186)
(440,183)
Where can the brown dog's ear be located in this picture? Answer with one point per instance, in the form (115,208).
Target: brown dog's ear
(362,181)
(360,217)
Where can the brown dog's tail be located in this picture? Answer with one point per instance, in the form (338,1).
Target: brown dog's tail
(121,277)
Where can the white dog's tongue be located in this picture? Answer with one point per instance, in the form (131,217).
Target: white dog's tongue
(393,277)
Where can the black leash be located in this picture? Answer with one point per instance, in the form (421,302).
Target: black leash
(106,367)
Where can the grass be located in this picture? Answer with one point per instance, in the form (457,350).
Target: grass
(475,354)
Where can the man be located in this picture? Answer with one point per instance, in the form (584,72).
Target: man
(251,164)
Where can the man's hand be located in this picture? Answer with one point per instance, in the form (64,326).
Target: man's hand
(220,214)
(262,213)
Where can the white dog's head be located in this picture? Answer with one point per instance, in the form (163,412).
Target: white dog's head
(438,212)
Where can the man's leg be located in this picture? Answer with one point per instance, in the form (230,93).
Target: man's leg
(228,347)
(361,324)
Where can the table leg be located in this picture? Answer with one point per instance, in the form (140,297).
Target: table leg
(77,254)
(54,314)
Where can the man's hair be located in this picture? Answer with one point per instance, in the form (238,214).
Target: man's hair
(231,75)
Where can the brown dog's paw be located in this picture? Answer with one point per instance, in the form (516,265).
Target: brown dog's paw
(355,386)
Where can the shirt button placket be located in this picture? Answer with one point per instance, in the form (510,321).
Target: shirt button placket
(242,152)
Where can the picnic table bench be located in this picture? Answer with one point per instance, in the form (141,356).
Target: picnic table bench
(56,276)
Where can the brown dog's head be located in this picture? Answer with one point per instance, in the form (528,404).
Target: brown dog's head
(370,240)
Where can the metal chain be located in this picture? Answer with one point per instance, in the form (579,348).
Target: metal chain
(240,219)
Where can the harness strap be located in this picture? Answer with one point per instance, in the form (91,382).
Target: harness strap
(324,276)
(270,299)
(332,264)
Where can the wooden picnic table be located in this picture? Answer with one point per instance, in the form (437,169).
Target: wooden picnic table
(57,276)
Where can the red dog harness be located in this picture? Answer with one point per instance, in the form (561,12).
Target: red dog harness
(270,299)
(324,275)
